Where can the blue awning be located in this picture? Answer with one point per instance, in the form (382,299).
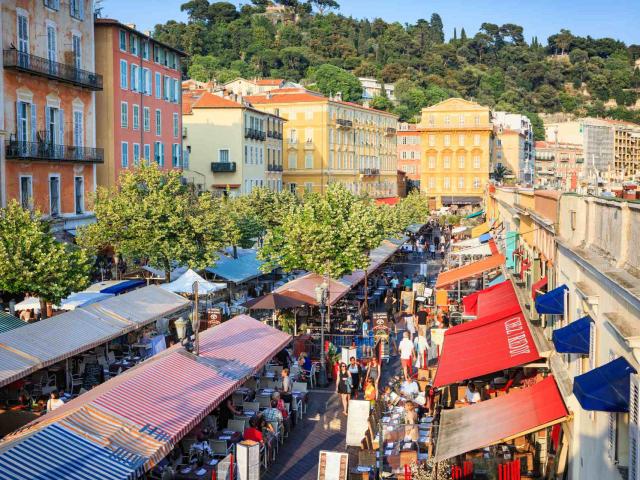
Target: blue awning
(497,280)
(574,338)
(9,322)
(74,458)
(238,270)
(552,302)
(606,388)
(475,214)
(484,238)
(123,286)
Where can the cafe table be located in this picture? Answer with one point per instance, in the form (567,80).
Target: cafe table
(228,436)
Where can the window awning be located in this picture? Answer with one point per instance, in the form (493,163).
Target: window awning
(480,229)
(492,303)
(469,270)
(552,302)
(574,338)
(500,419)
(485,237)
(475,214)
(497,280)
(606,388)
(540,284)
(484,346)
(123,286)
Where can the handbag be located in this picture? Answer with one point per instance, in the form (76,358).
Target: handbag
(349,385)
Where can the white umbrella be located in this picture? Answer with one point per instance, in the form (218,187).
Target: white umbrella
(184,284)
(29,303)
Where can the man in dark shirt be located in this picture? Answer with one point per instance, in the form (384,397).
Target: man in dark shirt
(422,320)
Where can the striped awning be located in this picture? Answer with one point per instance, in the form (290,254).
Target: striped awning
(9,322)
(136,418)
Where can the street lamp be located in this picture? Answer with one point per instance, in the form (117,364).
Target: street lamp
(322,292)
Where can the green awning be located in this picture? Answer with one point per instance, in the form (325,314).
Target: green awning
(475,214)
(9,322)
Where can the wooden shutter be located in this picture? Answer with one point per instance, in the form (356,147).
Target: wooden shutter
(34,121)
(634,428)
(61,125)
(18,121)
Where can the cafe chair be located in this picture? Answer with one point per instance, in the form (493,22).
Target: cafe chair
(237,399)
(264,401)
(251,383)
(219,448)
(236,425)
(255,406)
(278,429)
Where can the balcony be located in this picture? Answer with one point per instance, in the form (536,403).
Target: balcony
(342,123)
(223,167)
(254,134)
(274,168)
(48,152)
(369,171)
(390,131)
(25,62)
(274,134)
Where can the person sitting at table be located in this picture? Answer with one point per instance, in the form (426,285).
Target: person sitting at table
(226,411)
(411,431)
(409,388)
(472,395)
(252,432)
(200,446)
(54,402)
(273,414)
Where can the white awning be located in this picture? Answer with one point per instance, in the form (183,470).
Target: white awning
(28,304)
(82,299)
(184,284)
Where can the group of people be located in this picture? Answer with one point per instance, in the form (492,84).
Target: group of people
(353,378)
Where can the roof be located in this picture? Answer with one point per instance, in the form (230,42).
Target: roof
(502,418)
(269,82)
(497,301)
(136,418)
(37,345)
(485,346)
(184,284)
(111,22)
(209,100)
(470,270)
(307,284)
(9,322)
(238,270)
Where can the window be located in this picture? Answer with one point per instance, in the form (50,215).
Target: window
(432,182)
(476,139)
(23,37)
(52,4)
(461,140)
(331,165)
(52,45)
(124,154)
(135,78)
(78,129)
(123,74)
(133,44)
(25,121)
(476,120)
(123,40)
(78,194)
(136,154)
(293,160)
(147,153)
(145,49)
(476,183)
(156,53)
(159,153)
(158,122)
(26,191)
(432,162)
(308,160)
(176,125)
(165,87)
(446,162)
(447,120)
(461,161)
(136,117)
(124,115)
(175,155)
(308,187)
(223,156)
(147,84)
(461,119)
(432,140)
(460,183)
(76,8)
(447,140)
(54,195)
(476,161)
(54,125)
(146,119)
(446,183)
(158,85)
(76,49)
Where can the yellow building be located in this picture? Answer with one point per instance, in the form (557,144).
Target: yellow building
(328,140)
(456,137)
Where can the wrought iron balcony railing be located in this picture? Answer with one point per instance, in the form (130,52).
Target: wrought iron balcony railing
(25,62)
(223,167)
(274,168)
(369,171)
(49,152)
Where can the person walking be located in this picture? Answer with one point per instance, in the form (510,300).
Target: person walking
(389,302)
(343,387)
(356,376)
(373,373)
(406,353)
(432,251)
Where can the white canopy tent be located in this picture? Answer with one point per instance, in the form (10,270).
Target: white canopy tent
(482,249)
(160,274)
(28,303)
(82,299)
(184,284)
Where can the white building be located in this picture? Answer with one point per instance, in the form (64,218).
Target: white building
(373,88)
(521,124)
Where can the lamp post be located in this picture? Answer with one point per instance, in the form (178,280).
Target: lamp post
(322,292)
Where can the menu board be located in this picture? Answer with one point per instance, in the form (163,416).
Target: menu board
(407,302)
(357,421)
(333,465)
(93,375)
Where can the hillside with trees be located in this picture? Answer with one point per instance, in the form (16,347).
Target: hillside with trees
(313,44)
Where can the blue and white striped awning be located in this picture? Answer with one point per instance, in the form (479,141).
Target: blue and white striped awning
(54,453)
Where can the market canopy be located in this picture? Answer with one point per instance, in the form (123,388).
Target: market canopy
(123,286)
(29,303)
(481,347)
(500,419)
(498,301)
(132,421)
(574,338)
(238,270)
(552,302)
(306,285)
(482,250)
(414,228)
(377,257)
(277,301)
(184,284)
(470,270)
(457,230)
(606,388)
(82,299)
(480,230)
(485,237)
(9,322)
(40,344)
(499,279)
(161,274)
(475,214)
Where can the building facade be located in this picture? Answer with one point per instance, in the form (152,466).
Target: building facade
(626,150)
(410,154)
(515,139)
(49,159)
(558,165)
(244,87)
(232,147)
(328,140)
(139,110)
(456,137)
(373,88)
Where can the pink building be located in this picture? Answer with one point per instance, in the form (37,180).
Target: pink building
(139,112)
(409,154)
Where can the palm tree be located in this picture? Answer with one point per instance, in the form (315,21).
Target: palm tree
(499,172)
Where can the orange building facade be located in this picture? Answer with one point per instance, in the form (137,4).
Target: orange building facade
(139,110)
(49,157)
(409,154)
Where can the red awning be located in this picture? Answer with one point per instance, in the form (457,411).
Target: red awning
(470,270)
(387,201)
(493,246)
(500,419)
(537,286)
(498,301)
(484,346)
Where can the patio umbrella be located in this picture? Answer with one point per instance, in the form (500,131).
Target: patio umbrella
(278,301)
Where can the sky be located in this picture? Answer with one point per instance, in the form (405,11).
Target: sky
(613,18)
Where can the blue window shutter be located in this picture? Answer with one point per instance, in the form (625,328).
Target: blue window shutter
(61,125)
(19,126)
(34,121)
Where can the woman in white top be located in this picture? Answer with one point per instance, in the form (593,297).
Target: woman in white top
(54,402)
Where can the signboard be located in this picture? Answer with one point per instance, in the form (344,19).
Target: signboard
(406,302)
(437,336)
(248,457)
(333,465)
(357,421)
(214,316)
(347,353)
(380,321)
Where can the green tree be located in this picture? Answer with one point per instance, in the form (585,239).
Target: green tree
(153,216)
(32,261)
(330,80)
(436,28)
(380,102)
(414,208)
(324,5)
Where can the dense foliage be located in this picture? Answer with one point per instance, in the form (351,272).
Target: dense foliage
(496,65)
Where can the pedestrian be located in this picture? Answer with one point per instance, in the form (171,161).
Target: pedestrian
(373,372)
(343,387)
(356,375)
(432,250)
(422,320)
(442,250)
(410,325)
(406,353)
(421,345)
(389,302)
(408,284)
